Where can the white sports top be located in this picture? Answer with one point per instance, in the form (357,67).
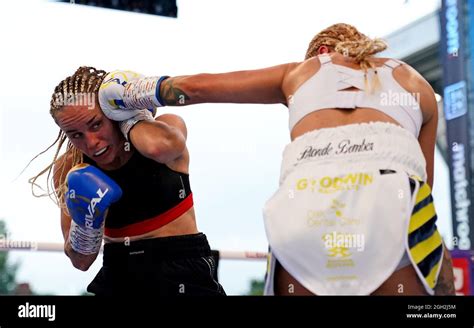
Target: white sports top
(325,89)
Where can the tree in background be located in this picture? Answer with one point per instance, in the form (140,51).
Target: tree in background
(7,271)
(256,287)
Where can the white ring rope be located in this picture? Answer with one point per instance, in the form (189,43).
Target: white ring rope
(28,245)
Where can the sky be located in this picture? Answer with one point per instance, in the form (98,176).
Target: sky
(235,149)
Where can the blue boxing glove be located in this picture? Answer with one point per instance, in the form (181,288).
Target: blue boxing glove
(123,94)
(89,195)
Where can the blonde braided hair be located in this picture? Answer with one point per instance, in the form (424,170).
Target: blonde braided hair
(85,80)
(348,41)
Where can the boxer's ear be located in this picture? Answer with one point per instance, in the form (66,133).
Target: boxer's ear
(323,50)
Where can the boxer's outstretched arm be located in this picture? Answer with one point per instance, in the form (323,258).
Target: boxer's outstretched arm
(262,86)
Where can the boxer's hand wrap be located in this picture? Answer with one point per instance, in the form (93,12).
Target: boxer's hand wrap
(127,125)
(144,93)
(85,241)
(89,195)
(123,93)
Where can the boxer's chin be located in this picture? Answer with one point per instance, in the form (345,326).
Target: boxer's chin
(106,156)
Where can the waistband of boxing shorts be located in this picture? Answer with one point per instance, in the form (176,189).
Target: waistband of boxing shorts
(390,145)
(163,248)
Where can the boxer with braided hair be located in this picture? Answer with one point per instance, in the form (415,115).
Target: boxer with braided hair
(354,212)
(126,183)
(348,41)
(86,80)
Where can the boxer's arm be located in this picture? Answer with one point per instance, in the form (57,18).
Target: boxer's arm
(262,86)
(79,261)
(427,137)
(162,140)
(445,284)
(415,83)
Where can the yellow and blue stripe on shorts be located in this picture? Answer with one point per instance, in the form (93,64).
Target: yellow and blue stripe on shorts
(425,244)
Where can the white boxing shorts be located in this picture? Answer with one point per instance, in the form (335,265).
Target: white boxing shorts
(351,203)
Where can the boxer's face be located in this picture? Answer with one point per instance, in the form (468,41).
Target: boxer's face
(92,133)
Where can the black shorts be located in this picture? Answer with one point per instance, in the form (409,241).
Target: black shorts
(168,266)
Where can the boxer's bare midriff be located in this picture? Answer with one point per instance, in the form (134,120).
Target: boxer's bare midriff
(184,225)
(334,117)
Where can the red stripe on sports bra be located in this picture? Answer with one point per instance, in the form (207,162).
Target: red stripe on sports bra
(154,223)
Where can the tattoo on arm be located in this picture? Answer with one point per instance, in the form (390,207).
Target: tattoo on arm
(171,95)
(445,284)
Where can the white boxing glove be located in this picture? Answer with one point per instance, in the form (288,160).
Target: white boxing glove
(123,94)
(127,125)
